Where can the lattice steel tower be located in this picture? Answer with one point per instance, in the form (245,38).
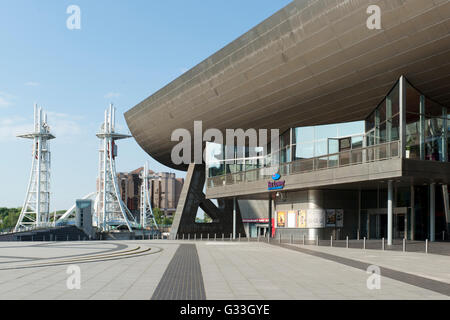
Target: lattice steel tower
(147,218)
(110,210)
(36,209)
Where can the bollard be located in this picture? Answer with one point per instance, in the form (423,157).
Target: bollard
(223,237)
(189,236)
(346,243)
(292,239)
(195,237)
(208,236)
(258,237)
(201,236)
(364,243)
(280,238)
(183,236)
(67,238)
(426,246)
(404,245)
(304,240)
(382,244)
(359,235)
(317,241)
(231,237)
(215,237)
(443,235)
(331,243)
(239,237)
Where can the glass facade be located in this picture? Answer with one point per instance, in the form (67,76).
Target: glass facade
(425,126)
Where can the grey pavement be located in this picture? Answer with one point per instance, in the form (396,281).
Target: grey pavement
(213,270)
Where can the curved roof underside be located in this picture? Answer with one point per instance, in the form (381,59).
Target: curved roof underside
(313,62)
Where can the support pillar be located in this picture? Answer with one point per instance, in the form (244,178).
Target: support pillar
(270,216)
(390,212)
(234,218)
(413,214)
(433,212)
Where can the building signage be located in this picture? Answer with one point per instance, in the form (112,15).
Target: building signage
(255,220)
(276,184)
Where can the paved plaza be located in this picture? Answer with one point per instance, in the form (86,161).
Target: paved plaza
(180,270)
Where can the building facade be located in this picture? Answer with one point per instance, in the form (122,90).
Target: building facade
(164,189)
(362,112)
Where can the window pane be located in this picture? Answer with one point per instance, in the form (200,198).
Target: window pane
(412,99)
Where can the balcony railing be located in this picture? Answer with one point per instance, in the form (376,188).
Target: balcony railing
(352,157)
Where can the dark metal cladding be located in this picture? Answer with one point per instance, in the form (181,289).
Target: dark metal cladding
(311,63)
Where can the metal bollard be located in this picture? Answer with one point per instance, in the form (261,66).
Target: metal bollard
(404,245)
(258,237)
(183,236)
(201,236)
(304,240)
(223,237)
(292,239)
(347,243)
(189,236)
(195,237)
(331,243)
(382,245)
(364,243)
(443,235)
(231,237)
(208,236)
(215,237)
(239,237)
(280,238)
(426,246)
(317,241)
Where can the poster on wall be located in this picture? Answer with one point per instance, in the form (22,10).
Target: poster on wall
(340,218)
(292,219)
(281,219)
(331,218)
(315,218)
(302,219)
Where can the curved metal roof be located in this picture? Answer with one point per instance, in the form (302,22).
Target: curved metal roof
(313,62)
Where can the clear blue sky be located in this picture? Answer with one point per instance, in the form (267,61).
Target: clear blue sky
(124,52)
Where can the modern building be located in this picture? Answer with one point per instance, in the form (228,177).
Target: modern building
(164,189)
(363,116)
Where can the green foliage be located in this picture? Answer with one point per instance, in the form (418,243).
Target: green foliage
(9,218)
(161,219)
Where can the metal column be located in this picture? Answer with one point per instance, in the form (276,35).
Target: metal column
(390,212)
(234,218)
(432,212)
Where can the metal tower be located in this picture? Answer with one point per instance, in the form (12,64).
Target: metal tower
(147,216)
(110,209)
(36,209)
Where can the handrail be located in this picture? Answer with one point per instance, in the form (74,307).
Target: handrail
(379,152)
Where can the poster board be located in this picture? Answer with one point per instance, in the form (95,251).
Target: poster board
(315,218)
(302,219)
(292,219)
(330,218)
(339,218)
(281,219)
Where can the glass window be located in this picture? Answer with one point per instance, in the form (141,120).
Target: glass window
(305,134)
(395,99)
(412,100)
(305,151)
(382,111)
